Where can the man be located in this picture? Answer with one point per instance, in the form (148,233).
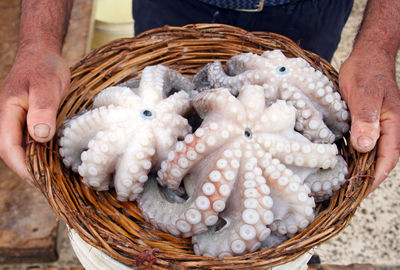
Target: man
(39,77)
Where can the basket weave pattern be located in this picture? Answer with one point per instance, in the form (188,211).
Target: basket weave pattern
(118,228)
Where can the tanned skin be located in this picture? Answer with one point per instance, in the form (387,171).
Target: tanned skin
(33,89)
(368,84)
(37,81)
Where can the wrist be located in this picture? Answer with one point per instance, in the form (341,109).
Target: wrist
(39,47)
(372,56)
(369,48)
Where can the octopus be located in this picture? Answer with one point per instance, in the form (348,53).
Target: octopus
(128,131)
(243,172)
(321,114)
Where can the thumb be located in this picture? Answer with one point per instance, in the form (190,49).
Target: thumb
(365,128)
(364,98)
(42,111)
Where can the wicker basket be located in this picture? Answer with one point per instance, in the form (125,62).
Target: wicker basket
(118,228)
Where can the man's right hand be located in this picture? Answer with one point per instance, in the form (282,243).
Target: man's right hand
(29,97)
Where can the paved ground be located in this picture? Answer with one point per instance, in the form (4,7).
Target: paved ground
(372,237)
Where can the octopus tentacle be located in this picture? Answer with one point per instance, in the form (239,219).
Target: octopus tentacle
(242,62)
(271,94)
(118,96)
(132,168)
(292,207)
(333,109)
(204,141)
(167,130)
(133,84)
(101,157)
(78,131)
(220,102)
(252,99)
(277,118)
(156,81)
(248,214)
(276,135)
(324,183)
(178,103)
(269,60)
(252,62)
(201,79)
(273,240)
(309,120)
(299,153)
(218,78)
(206,198)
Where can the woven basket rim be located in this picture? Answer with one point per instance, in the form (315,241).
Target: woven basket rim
(116,228)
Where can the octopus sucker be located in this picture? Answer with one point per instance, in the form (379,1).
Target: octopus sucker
(298,153)
(277,74)
(205,140)
(78,131)
(116,95)
(195,148)
(207,190)
(167,133)
(214,76)
(123,132)
(236,237)
(291,198)
(246,221)
(133,167)
(308,118)
(100,158)
(156,81)
(323,183)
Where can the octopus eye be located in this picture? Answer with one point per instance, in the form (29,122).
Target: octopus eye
(248,133)
(282,70)
(147,114)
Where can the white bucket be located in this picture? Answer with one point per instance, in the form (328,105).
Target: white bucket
(94,259)
(113,20)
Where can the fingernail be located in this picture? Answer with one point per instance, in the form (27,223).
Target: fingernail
(364,141)
(41,130)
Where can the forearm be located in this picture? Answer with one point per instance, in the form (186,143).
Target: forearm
(44,23)
(380,27)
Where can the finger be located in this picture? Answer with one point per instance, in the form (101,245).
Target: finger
(365,108)
(43,104)
(388,147)
(11,125)
(364,132)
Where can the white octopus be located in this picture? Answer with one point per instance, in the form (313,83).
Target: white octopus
(127,132)
(238,167)
(321,114)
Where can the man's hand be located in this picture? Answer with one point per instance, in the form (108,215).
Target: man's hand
(367,83)
(37,82)
(30,95)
